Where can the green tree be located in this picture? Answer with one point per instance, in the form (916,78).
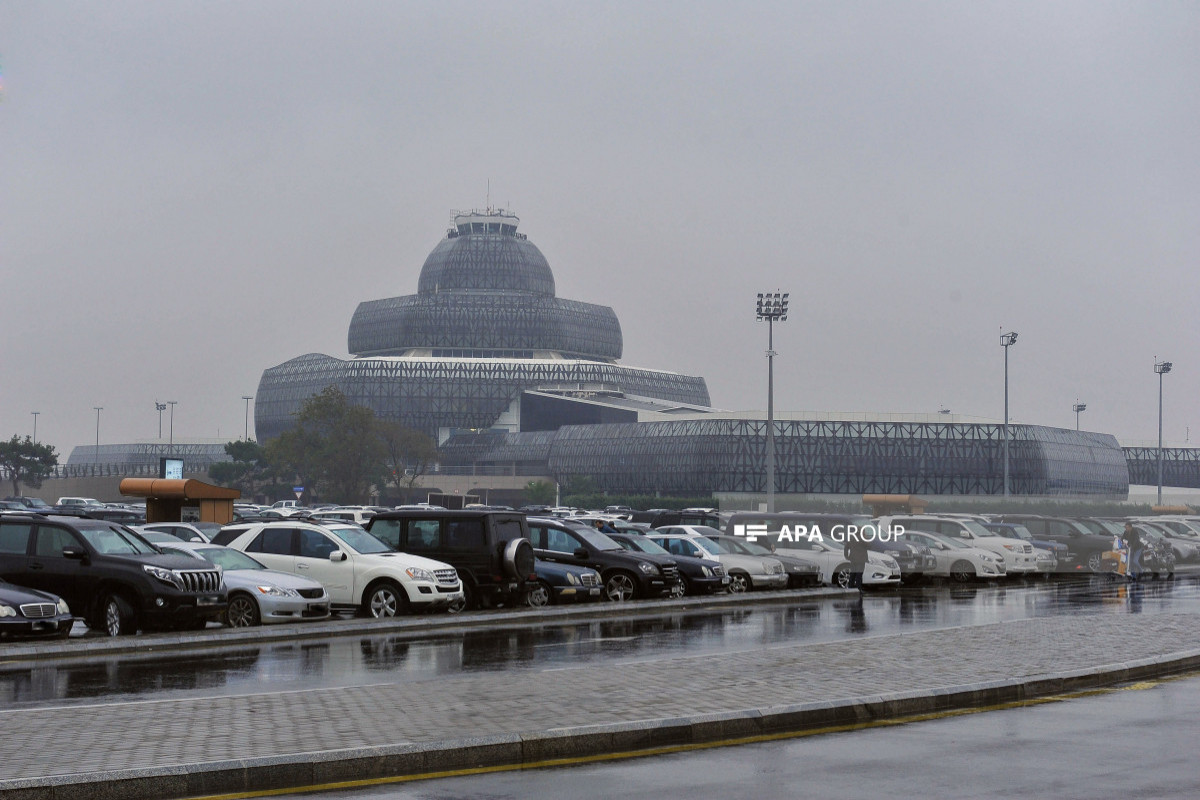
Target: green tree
(25,461)
(334,449)
(540,493)
(410,453)
(249,471)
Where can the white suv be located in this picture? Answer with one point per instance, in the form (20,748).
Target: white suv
(1019,555)
(359,571)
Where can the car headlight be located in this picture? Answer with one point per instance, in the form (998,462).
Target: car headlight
(648,568)
(1010,547)
(7,611)
(890,563)
(418,574)
(572,578)
(164,575)
(278,591)
(985,557)
(893,553)
(705,571)
(62,607)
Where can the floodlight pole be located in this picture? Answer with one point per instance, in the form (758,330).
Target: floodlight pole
(35,416)
(1077,408)
(1007,340)
(171,446)
(1162,368)
(160,407)
(247,398)
(98,410)
(772,306)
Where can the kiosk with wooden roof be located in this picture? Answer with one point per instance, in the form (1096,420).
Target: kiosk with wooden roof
(166,499)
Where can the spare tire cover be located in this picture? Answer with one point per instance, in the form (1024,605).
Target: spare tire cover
(518,559)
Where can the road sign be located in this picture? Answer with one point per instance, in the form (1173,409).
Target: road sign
(299,490)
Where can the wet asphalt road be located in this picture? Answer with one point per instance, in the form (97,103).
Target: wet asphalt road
(1136,741)
(355,661)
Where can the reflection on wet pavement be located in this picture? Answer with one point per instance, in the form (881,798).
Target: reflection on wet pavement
(356,661)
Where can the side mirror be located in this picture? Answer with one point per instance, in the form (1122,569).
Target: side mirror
(337,555)
(74,553)
(698,553)
(580,553)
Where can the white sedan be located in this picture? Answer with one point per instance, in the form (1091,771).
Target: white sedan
(957,560)
(881,569)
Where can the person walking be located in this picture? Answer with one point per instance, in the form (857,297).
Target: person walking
(1134,542)
(855,552)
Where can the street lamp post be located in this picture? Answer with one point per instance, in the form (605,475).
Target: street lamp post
(35,416)
(1077,408)
(96,460)
(247,398)
(1007,340)
(772,307)
(160,407)
(171,444)
(1162,368)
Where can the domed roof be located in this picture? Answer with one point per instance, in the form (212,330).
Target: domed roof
(484,253)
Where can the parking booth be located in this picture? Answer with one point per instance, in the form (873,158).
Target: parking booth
(166,499)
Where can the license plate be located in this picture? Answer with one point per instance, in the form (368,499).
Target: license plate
(318,607)
(208,600)
(45,625)
(724,579)
(594,592)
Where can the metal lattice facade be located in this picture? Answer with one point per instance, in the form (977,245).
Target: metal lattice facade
(1180,466)
(195,455)
(483,326)
(700,456)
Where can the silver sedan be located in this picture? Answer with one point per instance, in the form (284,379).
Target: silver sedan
(258,595)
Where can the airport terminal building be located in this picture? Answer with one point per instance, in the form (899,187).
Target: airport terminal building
(511,379)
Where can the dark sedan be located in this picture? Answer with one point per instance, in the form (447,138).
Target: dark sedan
(27,613)
(696,575)
(562,583)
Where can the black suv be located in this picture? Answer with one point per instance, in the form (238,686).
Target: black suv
(107,573)
(1085,549)
(626,575)
(489,549)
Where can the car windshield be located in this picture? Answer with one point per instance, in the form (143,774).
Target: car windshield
(647,546)
(708,544)
(116,540)
(950,540)
(598,540)
(227,558)
(358,540)
(976,528)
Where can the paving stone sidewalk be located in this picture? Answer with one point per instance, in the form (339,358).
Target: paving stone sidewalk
(102,737)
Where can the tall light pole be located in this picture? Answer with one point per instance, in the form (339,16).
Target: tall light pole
(1077,408)
(772,307)
(172,403)
(98,410)
(1162,368)
(160,407)
(1007,340)
(247,398)
(35,416)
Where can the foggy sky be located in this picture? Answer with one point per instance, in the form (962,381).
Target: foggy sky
(193,192)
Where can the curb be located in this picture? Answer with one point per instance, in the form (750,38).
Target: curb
(306,770)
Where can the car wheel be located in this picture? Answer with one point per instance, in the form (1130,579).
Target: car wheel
(739,583)
(841,576)
(117,616)
(242,612)
(684,586)
(384,599)
(1095,562)
(619,587)
(539,596)
(962,572)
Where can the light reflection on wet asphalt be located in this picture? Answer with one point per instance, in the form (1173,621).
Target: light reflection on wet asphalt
(354,661)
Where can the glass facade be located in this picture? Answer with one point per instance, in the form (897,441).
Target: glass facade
(1180,466)
(700,456)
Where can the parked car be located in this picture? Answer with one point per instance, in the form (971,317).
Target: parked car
(958,560)
(1184,547)
(696,575)
(116,579)
(357,516)
(183,531)
(258,595)
(79,501)
(1019,558)
(745,572)
(801,572)
(30,614)
(490,549)
(880,569)
(626,575)
(1048,553)
(561,583)
(1085,549)
(31,503)
(358,570)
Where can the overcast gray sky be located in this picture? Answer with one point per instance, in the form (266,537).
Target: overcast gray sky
(193,192)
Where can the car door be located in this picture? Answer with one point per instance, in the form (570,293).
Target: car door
(50,571)
(312,561)
(14,547)
(555,544)
(275,548)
